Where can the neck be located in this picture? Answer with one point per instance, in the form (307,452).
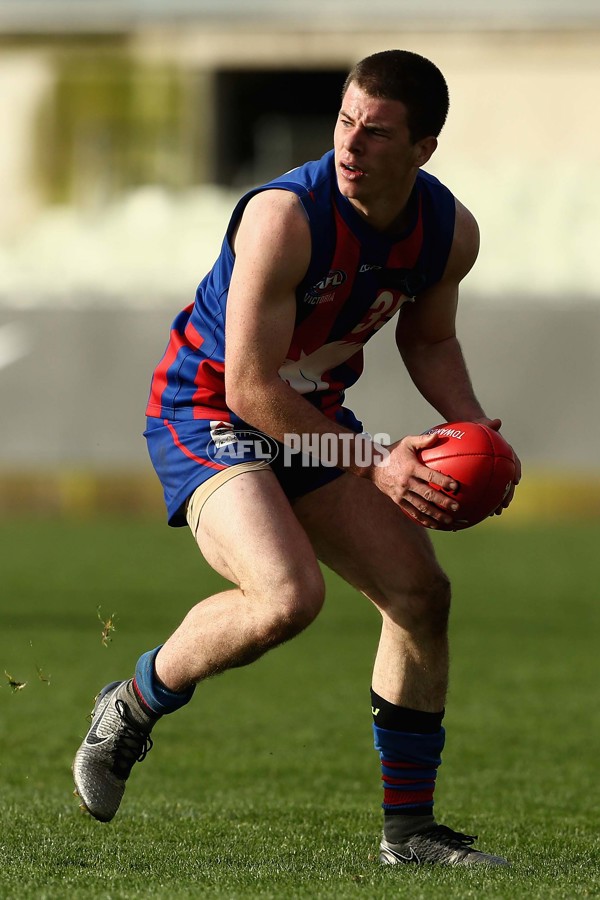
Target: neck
(387,215)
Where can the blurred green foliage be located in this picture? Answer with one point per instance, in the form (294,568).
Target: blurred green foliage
(111,123)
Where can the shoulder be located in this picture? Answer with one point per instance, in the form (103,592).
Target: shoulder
(278,202)
(293,198)
(273,238)
(466,230)
(276,215)
(465,243)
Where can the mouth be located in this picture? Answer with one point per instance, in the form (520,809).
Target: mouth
(352,173)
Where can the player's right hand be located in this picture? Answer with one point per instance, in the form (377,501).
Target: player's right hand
(410,483)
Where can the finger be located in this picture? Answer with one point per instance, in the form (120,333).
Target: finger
(494,424)
(426,513)
(418,517)
(433,495)
(505,503)
(417,441)
(433,477)
(509,497)
(517,469)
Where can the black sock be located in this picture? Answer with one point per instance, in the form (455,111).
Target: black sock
(401,718)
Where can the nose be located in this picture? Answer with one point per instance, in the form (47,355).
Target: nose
(353,139)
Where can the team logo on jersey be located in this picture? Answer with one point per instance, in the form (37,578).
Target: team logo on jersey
(222,433)
(324,290)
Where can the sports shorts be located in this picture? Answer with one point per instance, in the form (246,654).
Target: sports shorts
(187,453)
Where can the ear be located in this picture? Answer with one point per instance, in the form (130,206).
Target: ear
(424,150)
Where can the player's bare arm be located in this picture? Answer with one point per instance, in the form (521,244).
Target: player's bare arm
(426,337)
(426,333)
(272,247)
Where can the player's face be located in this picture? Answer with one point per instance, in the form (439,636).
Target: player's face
(375,157)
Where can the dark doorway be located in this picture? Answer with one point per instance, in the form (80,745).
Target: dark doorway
(268,121)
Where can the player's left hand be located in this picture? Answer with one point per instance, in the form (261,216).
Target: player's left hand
(496,425)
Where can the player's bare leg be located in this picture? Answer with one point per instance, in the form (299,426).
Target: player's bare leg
(365,537)
(249,534)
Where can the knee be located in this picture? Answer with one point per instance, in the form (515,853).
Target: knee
(428,606)
(294,605)
(425,606)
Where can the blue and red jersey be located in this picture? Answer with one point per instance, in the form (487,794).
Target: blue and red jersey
(356,281)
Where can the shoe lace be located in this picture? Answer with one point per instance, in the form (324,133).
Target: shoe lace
(132,744)
(454,840)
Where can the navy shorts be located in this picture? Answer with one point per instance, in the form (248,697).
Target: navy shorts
(187,452)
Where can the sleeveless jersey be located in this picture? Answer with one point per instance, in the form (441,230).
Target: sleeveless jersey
(356,281)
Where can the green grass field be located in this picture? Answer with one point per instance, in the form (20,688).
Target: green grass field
(267,785)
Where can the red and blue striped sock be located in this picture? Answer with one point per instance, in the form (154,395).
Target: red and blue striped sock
(410,744)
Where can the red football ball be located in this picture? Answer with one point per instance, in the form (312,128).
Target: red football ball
(480,461)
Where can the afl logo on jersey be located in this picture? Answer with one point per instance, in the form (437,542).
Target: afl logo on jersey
(324,291)
(332,280)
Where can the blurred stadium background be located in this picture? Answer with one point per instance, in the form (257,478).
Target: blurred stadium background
(130,128)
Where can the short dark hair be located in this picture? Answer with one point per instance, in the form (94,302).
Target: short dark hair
(410,78)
